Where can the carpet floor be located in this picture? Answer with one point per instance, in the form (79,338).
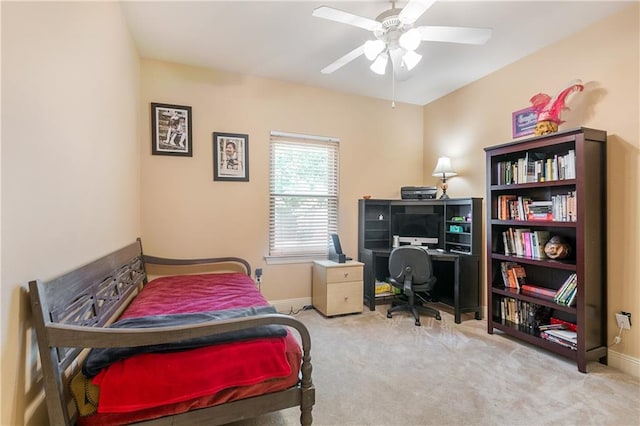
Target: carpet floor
(371,370)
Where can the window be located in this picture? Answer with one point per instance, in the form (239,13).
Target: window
(303,195)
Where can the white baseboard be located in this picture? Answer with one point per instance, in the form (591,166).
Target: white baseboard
(624,363)
(287,306)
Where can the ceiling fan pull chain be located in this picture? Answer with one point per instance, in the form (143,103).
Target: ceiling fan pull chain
(393,87)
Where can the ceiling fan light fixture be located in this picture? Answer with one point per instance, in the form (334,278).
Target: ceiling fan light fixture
(372,48)
(410,59)
(410,40)
(379,66)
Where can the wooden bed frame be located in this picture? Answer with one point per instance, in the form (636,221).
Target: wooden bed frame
(72,313)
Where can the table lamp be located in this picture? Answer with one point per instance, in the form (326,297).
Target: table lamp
(444,170)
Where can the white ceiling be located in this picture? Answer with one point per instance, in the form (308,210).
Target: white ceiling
(282,40)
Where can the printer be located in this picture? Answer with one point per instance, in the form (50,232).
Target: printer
(418,192)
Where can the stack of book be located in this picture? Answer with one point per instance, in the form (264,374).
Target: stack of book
(566,294)
(537,167)
(525,242)
(564,207)
(561,208)
(527,316)
(383,289)
(541,292)
(558,333)
(540,210)
(513,275)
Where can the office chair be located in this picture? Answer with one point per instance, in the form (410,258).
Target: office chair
(411,271)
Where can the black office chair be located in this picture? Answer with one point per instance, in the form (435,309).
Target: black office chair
(412,272)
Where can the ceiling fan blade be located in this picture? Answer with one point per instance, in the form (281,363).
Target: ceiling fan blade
(464,35)
(413,10)
(355,53)
(338,15)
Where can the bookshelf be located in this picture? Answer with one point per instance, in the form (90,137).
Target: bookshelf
(563,177)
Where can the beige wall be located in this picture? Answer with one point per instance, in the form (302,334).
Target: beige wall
(186,213)
(70,181)
(605,57)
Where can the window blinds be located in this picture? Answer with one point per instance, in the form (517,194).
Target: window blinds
(303,194)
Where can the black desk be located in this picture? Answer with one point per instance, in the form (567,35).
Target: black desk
(458,276)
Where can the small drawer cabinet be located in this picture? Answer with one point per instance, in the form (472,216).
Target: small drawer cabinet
(337,287)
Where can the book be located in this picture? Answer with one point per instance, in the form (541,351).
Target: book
(544,327)
(382,287)
(507,245)
(504,206)
(543,292)
(563,296)
(538,241)
(566,324)
(571,298)
(519,275)
(552,337)
(566,335)
(507,279)
(560,333)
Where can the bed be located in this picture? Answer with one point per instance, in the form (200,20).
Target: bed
(201,346)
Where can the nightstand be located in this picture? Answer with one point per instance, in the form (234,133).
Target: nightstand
(337,287)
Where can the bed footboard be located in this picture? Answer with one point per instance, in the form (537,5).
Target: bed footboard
(72,313)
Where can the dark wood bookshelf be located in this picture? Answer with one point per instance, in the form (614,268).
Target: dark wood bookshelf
(586,234)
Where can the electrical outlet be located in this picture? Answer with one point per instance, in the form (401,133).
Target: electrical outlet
(624,320)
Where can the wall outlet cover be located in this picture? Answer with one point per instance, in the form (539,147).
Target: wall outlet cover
(623,321)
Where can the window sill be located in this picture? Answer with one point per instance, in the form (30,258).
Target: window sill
(282,260)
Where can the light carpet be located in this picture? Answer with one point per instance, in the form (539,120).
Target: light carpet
(371,370)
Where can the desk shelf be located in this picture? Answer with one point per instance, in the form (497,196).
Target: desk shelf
(459,279)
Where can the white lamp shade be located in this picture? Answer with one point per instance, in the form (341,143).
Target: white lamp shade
(411,59)
(410,40)
(372,48)
(444,168)
(379,66)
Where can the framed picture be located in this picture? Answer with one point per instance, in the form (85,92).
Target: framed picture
(171,130)
(231,157)
(524,122)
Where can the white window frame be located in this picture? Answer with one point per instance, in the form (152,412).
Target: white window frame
(289,242)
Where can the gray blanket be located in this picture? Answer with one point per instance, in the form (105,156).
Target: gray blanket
(100,358)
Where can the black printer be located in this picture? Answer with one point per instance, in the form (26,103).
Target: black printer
(418,192)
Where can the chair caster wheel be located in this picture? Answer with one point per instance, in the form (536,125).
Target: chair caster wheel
(438,317)
(389,315)
(417,323)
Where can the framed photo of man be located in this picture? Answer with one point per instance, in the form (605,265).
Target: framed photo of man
(230,157)
(171,130)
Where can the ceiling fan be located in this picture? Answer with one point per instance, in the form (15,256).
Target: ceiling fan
(396,38)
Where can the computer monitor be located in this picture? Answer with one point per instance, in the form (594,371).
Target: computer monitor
(417,228)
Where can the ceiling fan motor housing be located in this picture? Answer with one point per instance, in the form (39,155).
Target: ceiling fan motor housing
(391,27)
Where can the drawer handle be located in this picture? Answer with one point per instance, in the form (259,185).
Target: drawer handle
(346,274)
(346,298)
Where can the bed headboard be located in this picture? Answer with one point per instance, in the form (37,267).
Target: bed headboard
(90,295)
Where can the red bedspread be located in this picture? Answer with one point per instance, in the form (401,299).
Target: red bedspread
(195,293)
(135,383)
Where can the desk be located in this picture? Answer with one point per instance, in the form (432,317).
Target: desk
(458,286)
